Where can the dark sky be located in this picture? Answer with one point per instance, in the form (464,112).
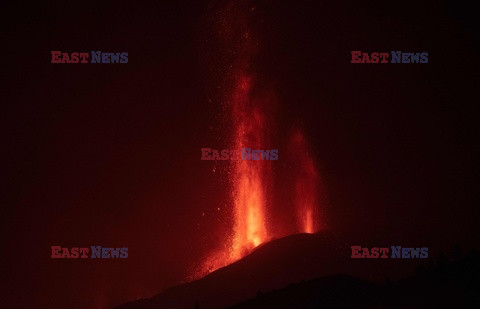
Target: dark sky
(110,154)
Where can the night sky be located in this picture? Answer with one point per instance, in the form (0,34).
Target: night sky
(109,154)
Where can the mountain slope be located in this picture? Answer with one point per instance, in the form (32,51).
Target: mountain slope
(271,266)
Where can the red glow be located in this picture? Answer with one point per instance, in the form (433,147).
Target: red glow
(306,183)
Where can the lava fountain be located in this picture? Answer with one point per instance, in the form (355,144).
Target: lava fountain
(248,103)
(247,109)
(248,185)
(306,184)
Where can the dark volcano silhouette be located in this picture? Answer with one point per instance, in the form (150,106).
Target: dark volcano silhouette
(302,271)
(438,284)
(270,266)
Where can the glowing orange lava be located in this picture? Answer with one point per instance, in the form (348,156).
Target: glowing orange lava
(248,179)
(248,189)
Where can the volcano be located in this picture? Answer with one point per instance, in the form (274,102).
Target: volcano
(270,266)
